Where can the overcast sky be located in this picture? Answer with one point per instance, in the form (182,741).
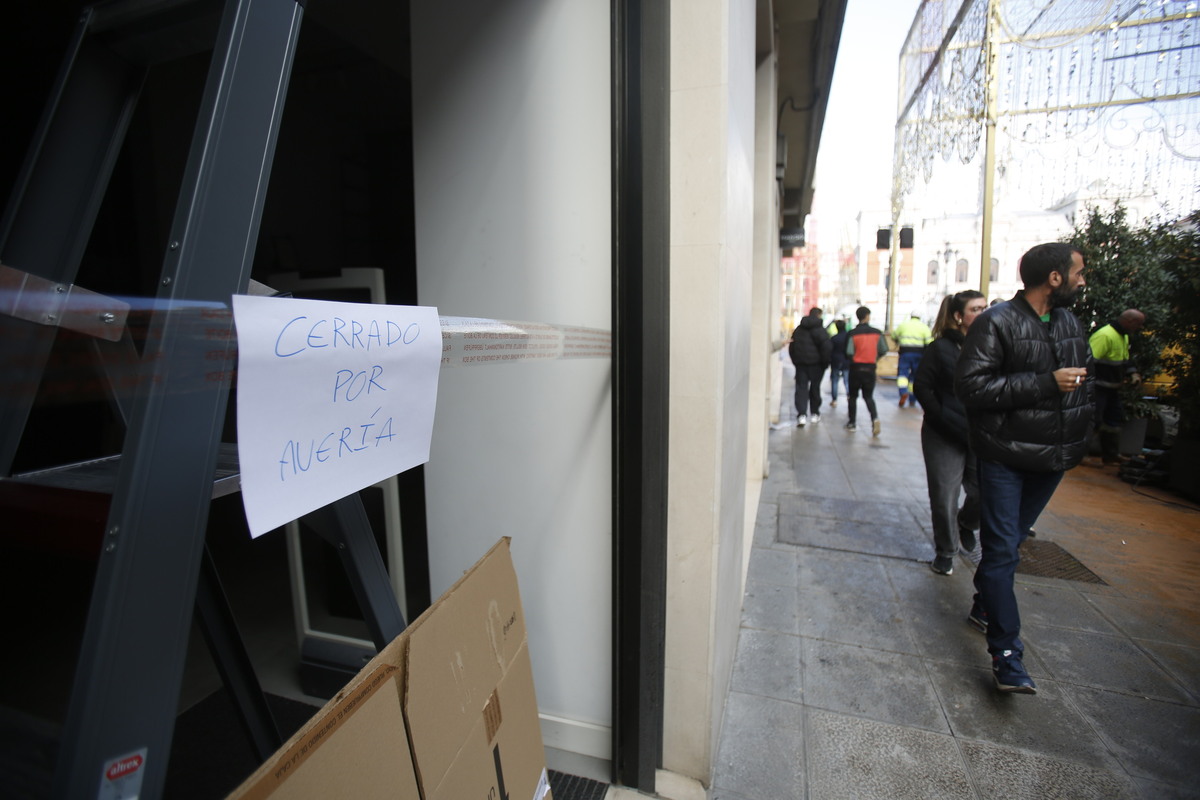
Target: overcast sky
(854,162)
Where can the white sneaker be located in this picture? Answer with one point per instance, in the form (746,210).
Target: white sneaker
(815,418)
(802,421)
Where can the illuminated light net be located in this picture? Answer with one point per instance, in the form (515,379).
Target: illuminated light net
(1099,96)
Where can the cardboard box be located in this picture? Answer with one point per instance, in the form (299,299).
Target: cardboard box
(447,711)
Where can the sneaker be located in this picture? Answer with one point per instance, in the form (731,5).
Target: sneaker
(815,418)
(833,403)
(1032,533)
(802,421)
(850,426)
(942,565)
(1010,674)
(875,427)
(966,538)
(977,619)
(903,397)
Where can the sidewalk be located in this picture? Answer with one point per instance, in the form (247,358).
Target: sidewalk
(857,675)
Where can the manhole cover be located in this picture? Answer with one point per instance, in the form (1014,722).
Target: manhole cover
(1048,560)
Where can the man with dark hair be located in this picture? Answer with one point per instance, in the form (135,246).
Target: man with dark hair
(1113,367)
(809,351)
(1022,377)
(864,347)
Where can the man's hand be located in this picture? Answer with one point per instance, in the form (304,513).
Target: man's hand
(1069,378)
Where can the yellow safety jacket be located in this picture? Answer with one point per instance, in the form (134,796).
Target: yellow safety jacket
(912,335)
(1110,354)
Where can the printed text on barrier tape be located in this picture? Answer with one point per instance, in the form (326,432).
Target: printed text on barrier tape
(467,341)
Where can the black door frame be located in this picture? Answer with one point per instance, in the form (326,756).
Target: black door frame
(641,342)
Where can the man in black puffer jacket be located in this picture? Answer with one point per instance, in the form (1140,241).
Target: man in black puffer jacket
(809,351)
(1022,377)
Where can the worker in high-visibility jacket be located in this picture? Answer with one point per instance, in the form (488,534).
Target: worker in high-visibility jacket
(911,337)
(1113,367)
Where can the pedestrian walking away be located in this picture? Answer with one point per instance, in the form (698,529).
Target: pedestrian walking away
(912,337)
(809,351)
(838,366)
(949,464)
(864,347)
(1023,378)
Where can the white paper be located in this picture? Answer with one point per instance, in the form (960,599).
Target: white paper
(331,398)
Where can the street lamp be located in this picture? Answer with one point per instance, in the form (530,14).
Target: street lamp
(947,254)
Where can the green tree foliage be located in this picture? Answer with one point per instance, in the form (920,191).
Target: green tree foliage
(1180,331)
(1125,270)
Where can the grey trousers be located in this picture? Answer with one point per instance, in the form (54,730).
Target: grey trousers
(949,466)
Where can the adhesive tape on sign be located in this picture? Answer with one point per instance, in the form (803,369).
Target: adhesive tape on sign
(468,341)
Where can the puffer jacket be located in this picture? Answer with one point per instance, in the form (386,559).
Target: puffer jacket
(810,343)
(934,387)
(1005,379)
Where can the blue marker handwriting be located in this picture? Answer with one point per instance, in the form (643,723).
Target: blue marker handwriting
(301,456)
(304,333)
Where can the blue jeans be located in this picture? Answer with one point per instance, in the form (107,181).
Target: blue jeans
(1010,501)
(841,373)
(906,368)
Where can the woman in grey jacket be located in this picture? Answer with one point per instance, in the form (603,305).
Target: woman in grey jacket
(949,464)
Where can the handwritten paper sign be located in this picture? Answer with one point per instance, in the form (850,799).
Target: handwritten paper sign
(331,398)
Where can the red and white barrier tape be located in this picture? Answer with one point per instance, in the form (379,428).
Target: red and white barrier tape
(468,341)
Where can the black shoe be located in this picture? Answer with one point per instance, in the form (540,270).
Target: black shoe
(942,565)
(850,426)
(1032,533)
(1010,674)
(967,539)
(978,619)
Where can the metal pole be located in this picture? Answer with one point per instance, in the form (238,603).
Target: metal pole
(989,129)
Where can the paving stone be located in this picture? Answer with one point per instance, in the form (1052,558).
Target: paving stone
(898,540)
(1181,661)
(1153,739)
(762,748)
(1061,608)
(1105,662)
(888,687)
(768,664)
(1154,790)
(1046,723)
(1146,620)
(841,572)
(1002,773)
(943,634)
(852,757)
(776,567)
(850,619)
(771,607)
(917,586)
(726,794)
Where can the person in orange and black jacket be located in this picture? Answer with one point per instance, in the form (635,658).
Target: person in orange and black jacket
(864,347)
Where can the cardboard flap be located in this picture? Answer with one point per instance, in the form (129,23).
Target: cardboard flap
(458,663)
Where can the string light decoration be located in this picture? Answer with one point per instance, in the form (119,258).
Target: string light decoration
(1088,93)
